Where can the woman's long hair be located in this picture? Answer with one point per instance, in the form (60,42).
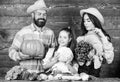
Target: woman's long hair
(72,43)
(96,23)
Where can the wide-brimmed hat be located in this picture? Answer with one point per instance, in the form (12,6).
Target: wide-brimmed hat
(39,4)
(94,12)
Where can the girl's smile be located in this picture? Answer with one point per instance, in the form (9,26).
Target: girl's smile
(63,38)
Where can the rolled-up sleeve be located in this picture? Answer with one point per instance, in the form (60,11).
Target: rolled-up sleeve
(52,39)
(49,38)
(96,43)
(14,49)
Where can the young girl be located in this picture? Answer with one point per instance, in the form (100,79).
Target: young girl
(59,58)
(94,34)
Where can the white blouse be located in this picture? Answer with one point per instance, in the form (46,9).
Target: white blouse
(65,58)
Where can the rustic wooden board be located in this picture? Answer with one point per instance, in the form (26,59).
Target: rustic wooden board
(20,10)
(16,23)
(9,1)
(60,1)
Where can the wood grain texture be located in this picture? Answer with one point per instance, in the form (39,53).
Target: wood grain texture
(20,10)
(60,1)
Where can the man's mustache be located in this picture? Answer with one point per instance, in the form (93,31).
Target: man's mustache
(41,19)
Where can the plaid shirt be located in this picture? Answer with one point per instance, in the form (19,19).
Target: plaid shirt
(28,33)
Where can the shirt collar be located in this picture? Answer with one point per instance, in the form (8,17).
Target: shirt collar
(35,28)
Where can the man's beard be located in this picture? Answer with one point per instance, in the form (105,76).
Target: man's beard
(39,23)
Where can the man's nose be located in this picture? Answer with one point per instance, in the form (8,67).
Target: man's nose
(41,16)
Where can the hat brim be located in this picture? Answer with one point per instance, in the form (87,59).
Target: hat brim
(94,12)
(82,12)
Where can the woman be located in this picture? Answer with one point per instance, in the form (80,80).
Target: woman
(93,33)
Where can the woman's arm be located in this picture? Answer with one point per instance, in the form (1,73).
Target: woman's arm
(108,48)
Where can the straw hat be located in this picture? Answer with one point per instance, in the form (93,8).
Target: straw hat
(39,4)
(94,12)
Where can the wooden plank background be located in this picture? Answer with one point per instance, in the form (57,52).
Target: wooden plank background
(63,13)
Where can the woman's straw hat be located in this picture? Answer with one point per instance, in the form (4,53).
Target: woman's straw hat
(94,12)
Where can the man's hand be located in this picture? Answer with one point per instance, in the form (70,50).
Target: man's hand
(23,56)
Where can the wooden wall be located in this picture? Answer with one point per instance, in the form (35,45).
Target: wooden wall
(63,13)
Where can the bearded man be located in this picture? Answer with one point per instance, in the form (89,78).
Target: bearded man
(35,31)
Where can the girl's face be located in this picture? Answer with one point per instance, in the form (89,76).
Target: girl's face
(88,23)
(63,38)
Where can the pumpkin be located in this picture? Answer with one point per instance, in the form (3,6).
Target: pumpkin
(33,48)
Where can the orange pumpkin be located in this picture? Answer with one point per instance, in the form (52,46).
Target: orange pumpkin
(33,48)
